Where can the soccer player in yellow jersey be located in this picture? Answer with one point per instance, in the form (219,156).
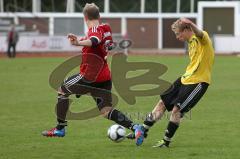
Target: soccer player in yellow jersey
(187,90)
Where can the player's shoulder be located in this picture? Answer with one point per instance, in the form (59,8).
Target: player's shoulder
(205,33)
(105,26)
(205,38)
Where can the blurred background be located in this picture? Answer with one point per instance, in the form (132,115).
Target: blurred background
(43,24)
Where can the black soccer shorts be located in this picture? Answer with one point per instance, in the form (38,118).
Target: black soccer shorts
(100,91)
(183,96)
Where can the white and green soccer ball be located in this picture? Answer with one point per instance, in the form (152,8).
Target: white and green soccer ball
(116,133)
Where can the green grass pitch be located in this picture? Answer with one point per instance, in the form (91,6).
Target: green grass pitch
(27,107)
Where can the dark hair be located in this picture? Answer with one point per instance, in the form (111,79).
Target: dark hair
(91,11)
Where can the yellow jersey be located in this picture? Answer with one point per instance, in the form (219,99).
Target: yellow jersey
(201,54)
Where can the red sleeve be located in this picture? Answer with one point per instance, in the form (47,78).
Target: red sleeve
(108,33)
(96,33)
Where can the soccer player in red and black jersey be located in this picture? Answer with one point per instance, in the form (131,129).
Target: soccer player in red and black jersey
(94,76)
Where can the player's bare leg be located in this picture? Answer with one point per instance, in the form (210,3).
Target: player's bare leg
(151,118)
(155,115)
(171,128)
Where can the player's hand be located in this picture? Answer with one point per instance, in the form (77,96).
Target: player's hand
(109,45)
(186,21)
(72,36)
(73,39)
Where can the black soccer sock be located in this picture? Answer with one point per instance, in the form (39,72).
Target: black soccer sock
(61,124)
(149,121)
(62,109)
(170,131)
(120,118)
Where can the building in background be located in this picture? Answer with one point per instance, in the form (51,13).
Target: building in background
(133,19)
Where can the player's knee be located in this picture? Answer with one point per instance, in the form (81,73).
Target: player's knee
(161,103)
(158,111)
(160,107)
(175,115)
(176,110)
(60,91)
(105,111)
(64,90)
(62,94)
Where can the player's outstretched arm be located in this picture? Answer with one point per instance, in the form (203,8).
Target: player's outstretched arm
(74,41)
(198,32)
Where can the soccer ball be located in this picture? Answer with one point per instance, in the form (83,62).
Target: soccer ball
(116,133)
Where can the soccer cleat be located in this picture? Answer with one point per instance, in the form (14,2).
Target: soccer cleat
(139,134)
(54,132)
(162,143)
(131,135)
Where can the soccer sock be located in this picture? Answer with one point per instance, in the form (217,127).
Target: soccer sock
(120,118)
(149,121)
(170,131)
(62,108)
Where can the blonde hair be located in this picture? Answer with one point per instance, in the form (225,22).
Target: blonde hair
(178,26)
(91,11)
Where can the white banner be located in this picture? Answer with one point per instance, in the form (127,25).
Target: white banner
(40,44)
(226,44)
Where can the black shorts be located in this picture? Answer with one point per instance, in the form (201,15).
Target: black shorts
(100,91)
(183,96)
